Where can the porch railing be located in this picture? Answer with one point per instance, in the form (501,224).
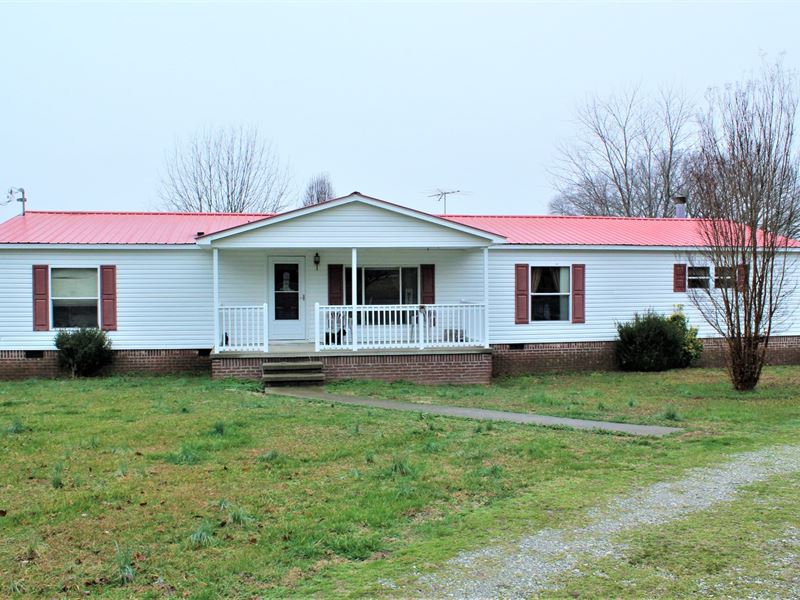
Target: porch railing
(390,326)
(243,329)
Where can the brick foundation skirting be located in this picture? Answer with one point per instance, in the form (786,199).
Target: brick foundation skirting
(519,359)
(474,367)
(17,364)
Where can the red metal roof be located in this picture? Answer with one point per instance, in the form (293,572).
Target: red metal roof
(588,231)
(52,227)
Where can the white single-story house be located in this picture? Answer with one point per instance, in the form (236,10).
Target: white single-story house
(359,286)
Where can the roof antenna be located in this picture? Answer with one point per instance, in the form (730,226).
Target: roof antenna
(442,195)
(17,194)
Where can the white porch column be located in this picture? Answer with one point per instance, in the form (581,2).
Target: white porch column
(486,297)
(215,275)
(354,289)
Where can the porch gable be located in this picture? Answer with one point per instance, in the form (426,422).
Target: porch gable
(354,220)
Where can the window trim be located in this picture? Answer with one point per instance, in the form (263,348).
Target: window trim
(97,298)
(708,277)
(531,293)
(731,278)
(348,290)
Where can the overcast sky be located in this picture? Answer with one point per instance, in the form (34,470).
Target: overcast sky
(393,100)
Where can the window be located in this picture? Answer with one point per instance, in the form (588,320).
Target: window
(724,277)
(383,285)
(698,277)
(74,297)
(550,292)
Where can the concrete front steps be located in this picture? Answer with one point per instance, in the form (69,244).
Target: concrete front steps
(292,372)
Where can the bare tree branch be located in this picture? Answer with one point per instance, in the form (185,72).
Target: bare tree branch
(225,170)
(745,177)
(629,157)
(318,190)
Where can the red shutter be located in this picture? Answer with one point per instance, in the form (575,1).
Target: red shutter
(578,293)
(335,285)
(742,277)
(108,297)
(522,298)
(679,278)
(41,298)
(428,273)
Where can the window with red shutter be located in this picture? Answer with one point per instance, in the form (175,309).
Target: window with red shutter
(108,297)
(679,277)
(578,293)
(41,298)
(521,293)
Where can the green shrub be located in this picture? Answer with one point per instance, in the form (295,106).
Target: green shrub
(83,352)
(654,342)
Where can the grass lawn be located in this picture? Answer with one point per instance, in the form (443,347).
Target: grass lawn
(146,487)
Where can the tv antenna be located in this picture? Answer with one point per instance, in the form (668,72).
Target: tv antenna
(17,194)
(442,195)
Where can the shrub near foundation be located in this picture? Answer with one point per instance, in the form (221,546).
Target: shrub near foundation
(83,352)
(654,342)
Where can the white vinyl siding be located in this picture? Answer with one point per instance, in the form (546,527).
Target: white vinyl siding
(164,297)
(619,283)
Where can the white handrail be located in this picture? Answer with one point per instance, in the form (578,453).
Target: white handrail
(391,326)
(243,328)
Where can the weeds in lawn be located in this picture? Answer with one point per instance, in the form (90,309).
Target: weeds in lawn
(57,476)
(223,504)
(202,536)
(355,429)
(16,587)
(631,403)
(218,429)
(239,516)
(432,447)
(488,426)
(271,457)
(492,471)
(186,455)
(369,458)
(122,470)
(124,560)
(400,467)
(16,426)
(670,414)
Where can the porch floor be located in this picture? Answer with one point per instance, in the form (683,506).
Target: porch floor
(296,349)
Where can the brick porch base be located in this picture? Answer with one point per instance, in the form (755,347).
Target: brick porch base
(468,367)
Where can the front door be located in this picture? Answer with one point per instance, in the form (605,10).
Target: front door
(286,298)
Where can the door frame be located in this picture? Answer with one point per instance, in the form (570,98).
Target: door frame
(301,334)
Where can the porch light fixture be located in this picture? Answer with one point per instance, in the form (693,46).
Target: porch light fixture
(316,261)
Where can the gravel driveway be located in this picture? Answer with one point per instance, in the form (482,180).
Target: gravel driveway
(529,566)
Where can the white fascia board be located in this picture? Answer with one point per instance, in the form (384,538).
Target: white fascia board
(589,247)
(300,212)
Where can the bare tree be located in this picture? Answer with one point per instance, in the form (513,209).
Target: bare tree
(628,159)
(318,190)
(745,180)
(225,170)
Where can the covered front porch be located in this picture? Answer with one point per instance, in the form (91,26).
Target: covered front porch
(289,301)
(353,276)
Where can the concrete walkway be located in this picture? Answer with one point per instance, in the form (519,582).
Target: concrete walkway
(309,393)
